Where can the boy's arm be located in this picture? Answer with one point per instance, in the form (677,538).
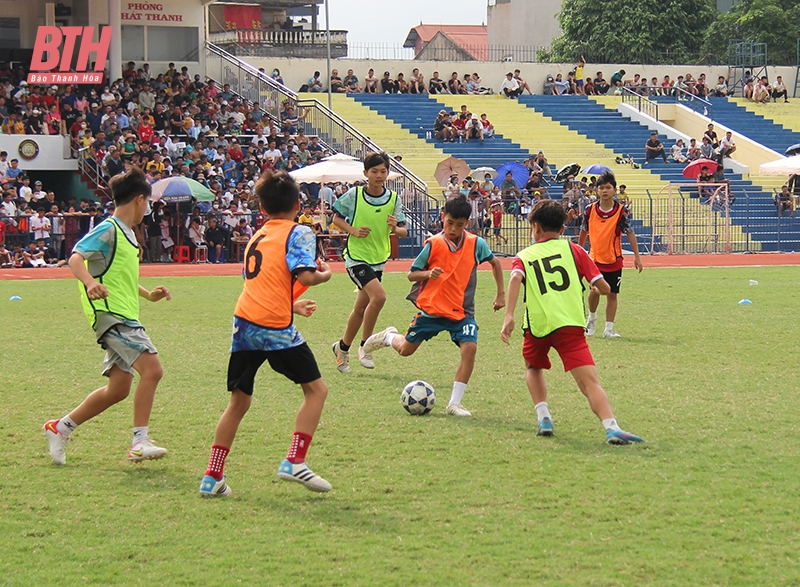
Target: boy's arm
(400,231)
(309,277)
(513,295)
(637,260)
(425,274)
(94,289)
(582,238)
(155,294)
(497,273)
(345,226)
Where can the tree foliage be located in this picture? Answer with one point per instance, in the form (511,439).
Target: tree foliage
(632,31)
(774,22)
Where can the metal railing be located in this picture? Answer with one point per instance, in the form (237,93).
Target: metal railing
(450,52)
(640,102)
(281,43)
(90,169)
(315,118)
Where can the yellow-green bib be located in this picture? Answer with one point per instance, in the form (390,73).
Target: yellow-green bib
(553,288)
(376,248)
(121,278)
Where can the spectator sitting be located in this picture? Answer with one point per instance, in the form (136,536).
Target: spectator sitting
(509,190)
(727,146)
(453,188)
(721,89)
(703,178)
(784,201)
(460,125)
(562,87)
(243,232)
(388,85)
(417,83)
(474,84)
(601,86)
(351,83)
(474,128)
(706,149)
(676,152)
(455,86)
(276,76)
(549,86)
(654,148)
(488,127)
(588,87)
(315,83)
(779,90)
(337,86)
(510,86)
(437,85)
(402,84)
(617,78)
(371,82)
(523,85)
(762,90)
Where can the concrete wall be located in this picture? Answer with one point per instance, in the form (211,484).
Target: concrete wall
(524,22)
(296,72)
(53,152)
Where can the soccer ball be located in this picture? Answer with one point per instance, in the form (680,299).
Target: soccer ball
(418,398)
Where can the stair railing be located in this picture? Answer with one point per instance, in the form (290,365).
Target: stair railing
(641,103)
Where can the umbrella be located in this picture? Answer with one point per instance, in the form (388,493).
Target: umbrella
(566,171)
(693,170)
(335,171)
(518,171)
(596,169)
(481,172)
(793,150)
(180,189)
(785,166)
(339,157)
(449,167)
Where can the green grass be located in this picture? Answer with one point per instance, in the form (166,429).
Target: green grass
(710,498)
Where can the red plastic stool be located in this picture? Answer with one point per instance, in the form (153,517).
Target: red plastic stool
(182,255)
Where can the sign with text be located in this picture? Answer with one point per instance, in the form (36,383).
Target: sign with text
(53,54)
(146,12)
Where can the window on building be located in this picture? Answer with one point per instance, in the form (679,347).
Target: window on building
(9,33)
(168,43)
(132,43)
(160,43)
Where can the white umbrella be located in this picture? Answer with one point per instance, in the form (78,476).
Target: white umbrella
(339,157)
(333,172)
(784,166)
(481,172)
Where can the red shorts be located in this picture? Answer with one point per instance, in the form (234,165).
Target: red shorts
(569,342)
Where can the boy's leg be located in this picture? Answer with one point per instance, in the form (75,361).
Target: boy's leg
(98,401)
(150,373)
(537,387)
(294,468)
(463,373)
(593,300)
(586,378)
(614,279)
(213,483)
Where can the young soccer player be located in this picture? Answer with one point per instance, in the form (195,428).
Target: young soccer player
(279,265)
(604,221)
(550,271)
(369,215)
(445,276)
(106,262)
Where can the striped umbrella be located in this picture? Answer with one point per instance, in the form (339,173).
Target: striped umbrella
(180,189)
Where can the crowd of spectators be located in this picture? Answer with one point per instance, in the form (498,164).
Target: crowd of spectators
(450,126)
(167,124)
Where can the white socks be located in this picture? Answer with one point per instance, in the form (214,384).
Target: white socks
(139,434)
(458,393)
(390,336)
(611,423)
(542,412)
(592,315)
(66,426)
(609,326)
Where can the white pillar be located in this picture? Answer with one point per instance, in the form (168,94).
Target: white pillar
(115,51)
(50,14)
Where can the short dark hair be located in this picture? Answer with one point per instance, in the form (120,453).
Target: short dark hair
(458,208)
(606,178)
(374,159)
(548,214)
(129,185)
(277,192)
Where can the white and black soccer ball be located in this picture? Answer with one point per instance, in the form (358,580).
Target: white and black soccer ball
(418,398)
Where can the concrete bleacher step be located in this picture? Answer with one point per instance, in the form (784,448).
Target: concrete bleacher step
(755,125)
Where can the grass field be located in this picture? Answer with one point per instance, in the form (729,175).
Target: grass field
(710,499)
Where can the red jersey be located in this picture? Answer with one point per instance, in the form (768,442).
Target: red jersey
(497,217)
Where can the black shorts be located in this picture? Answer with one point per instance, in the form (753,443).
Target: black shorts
(362,274)
(297,364)
(614,279)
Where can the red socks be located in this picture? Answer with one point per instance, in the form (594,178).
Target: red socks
(217,461)
(298,448)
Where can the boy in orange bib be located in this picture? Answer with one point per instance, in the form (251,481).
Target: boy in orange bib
(604,222)
(445,277)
